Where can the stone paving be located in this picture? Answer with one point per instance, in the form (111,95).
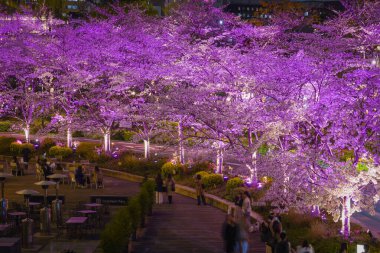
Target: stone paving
(187,227)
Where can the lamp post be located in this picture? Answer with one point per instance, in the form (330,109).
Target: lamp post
(57,203)
(3,201)
(27,223)
(45,212)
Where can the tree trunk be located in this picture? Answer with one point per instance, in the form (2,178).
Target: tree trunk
(107,141)
(253,170)
(69,138)
(146,149)
(219,159)
(181,148)
(346,216)
(315,210)
(27,133)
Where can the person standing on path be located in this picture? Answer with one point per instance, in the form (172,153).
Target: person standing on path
(159,189)
(242,237)
(199,190)
(246,210)
(238,206)
(229,231)
(170,187)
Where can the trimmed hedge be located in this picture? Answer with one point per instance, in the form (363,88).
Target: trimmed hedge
(5,143)
(117,233)
(58,151)
(16,147)
(211,181)
(233,183)
(86,150)
(170,168)
(115,237)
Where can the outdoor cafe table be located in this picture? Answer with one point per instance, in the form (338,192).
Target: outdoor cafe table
(17,216)
(74,224)
(90,214)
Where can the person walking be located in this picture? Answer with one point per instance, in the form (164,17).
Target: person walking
(79,176)
(199,190)
(98,177)
(238,206)
(229,231)
(170,187)
(242,236)
(159,189)
(305,247)
(246,210)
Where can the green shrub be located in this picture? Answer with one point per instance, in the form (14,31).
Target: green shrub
(203,174)
(134,209)
(170,168)
(144,200)
(5,143)
(58,151)
(131,163)
(150,187)
(16,147)
(5,126)
(212,181)
(115,237)
(47,143)
(233,183)
(86,150)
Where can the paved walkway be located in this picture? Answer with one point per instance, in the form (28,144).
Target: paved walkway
(186,227)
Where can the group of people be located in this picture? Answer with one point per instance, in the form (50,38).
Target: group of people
(82,179)
(236,228)
(162,186)
(235,234)
(276,240)
(168,186)
(46,167)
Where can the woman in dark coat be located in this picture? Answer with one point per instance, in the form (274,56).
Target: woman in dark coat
(229,234)
(159,189)
(79,176)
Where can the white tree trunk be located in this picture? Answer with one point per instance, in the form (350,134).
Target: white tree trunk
(254,178)
(315,210)
(219,159)
(107,141)
(69,138)
(27,133)
(181,148)
(146,149)
(346,216)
